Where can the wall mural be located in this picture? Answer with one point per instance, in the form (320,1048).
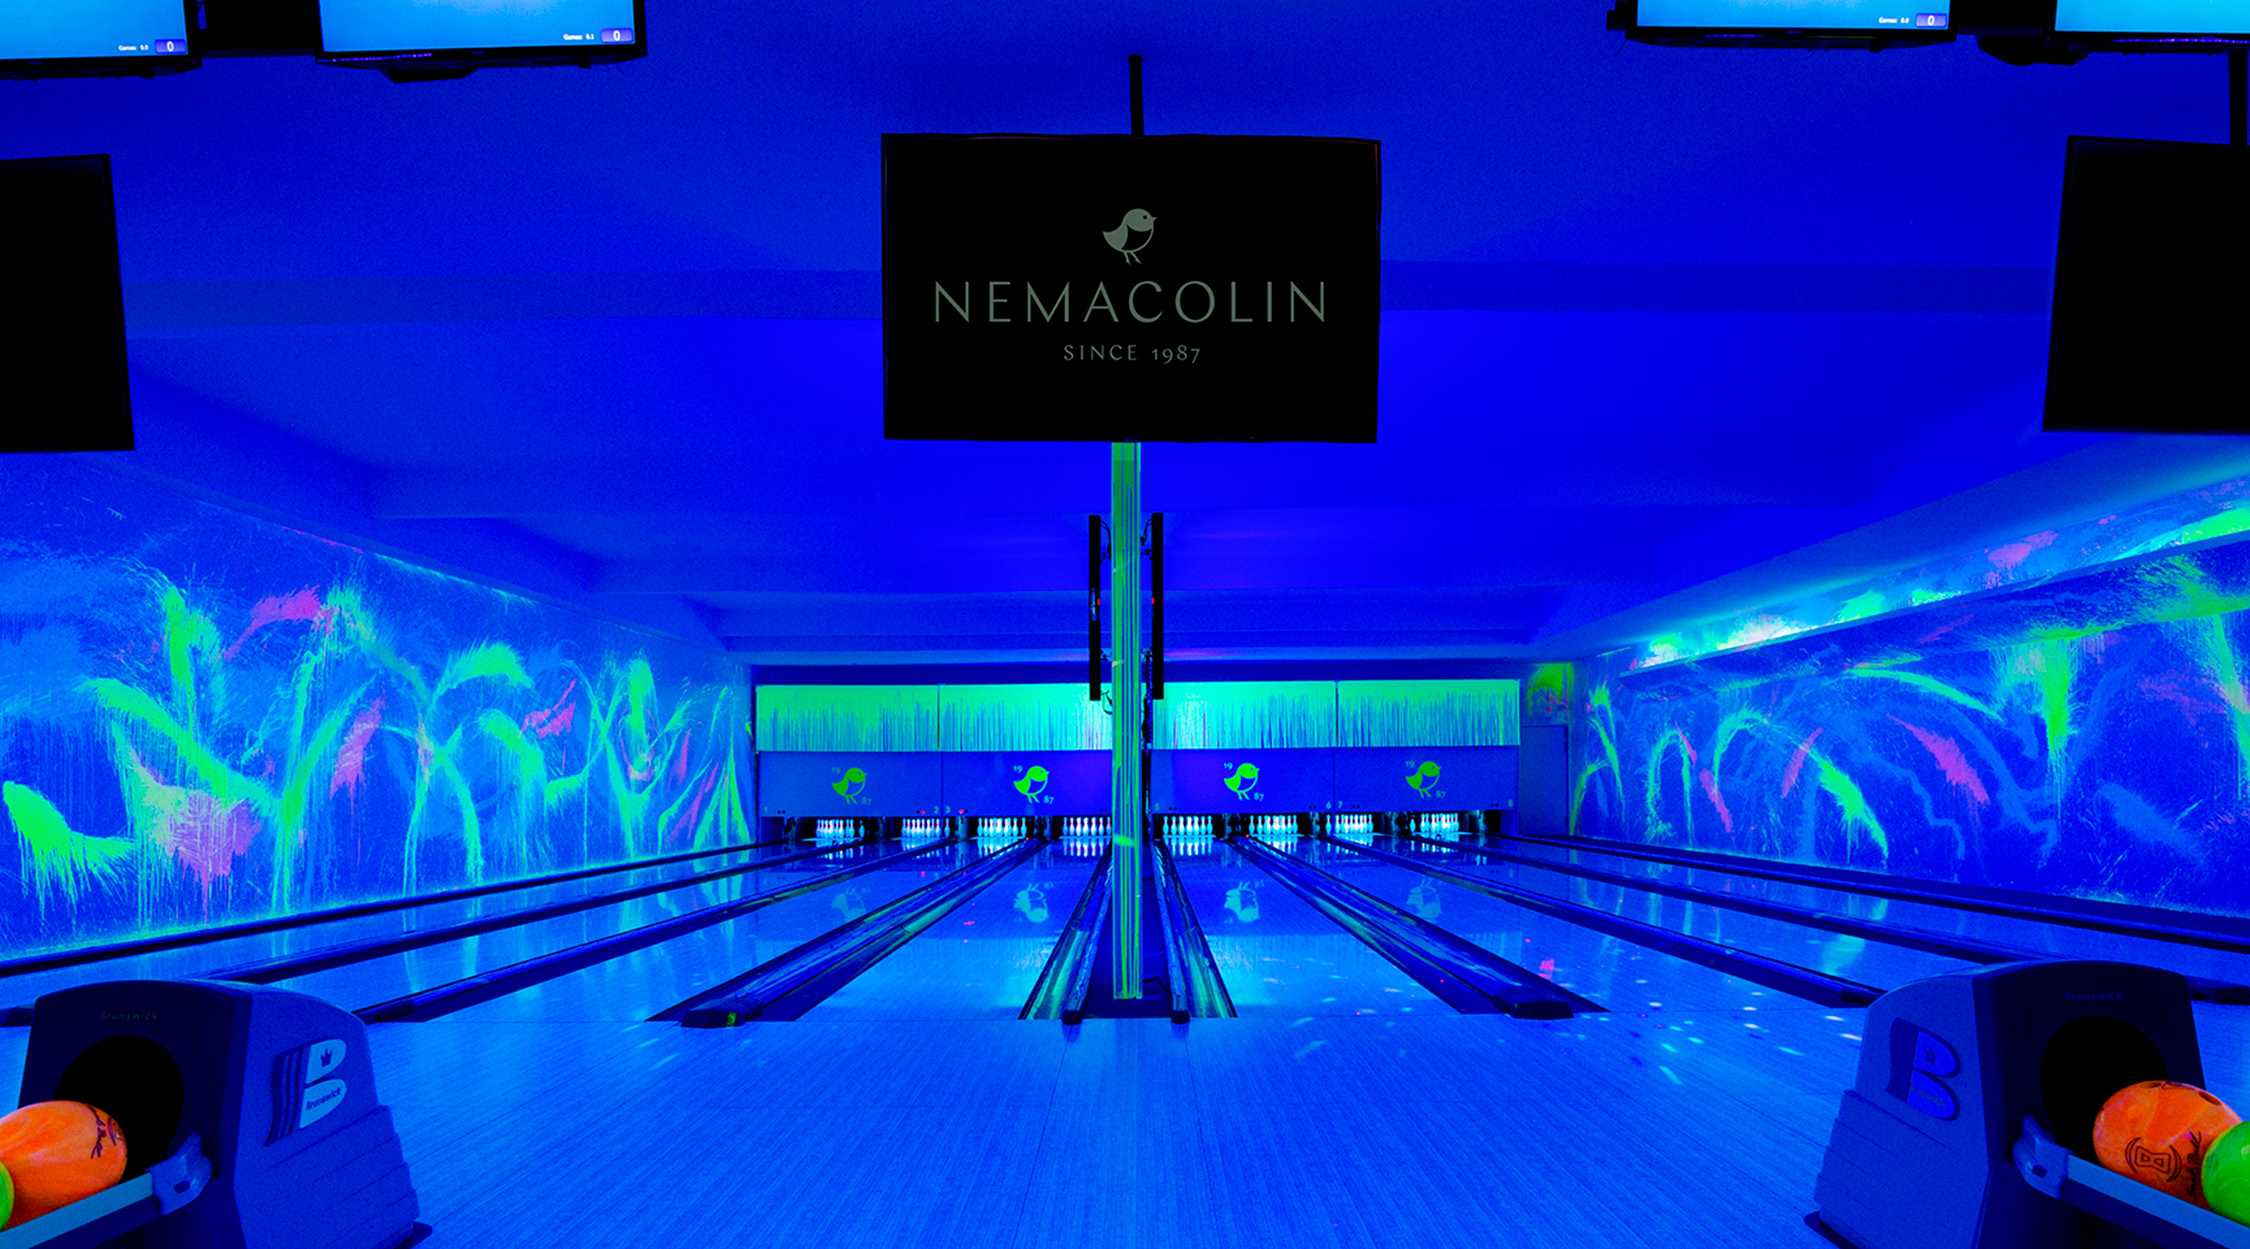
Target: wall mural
(206,718)
(2086,736)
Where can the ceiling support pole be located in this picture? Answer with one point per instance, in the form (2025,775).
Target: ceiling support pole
(1128,721)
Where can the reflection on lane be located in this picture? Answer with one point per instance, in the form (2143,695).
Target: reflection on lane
(1616,972)
(1279,956)
(203,960)
(980,961)
(365,984)
(2031,935)
(646,981)
(1878,964)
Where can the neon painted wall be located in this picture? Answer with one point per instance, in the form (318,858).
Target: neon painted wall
(2087,735)
(207,718)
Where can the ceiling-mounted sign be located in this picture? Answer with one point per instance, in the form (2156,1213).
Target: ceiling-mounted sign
(1106,288)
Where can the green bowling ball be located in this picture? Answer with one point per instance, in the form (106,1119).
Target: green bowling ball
(2226,1173)
(7,1195)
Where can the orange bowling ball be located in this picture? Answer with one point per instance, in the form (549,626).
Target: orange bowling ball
(57,1153)
(2157,1131)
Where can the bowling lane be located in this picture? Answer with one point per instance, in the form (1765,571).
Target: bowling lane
(2034,935)
(1855,958)
(637,985)
(380,980)
(1619,974)
(1279,956)
(981,961)
(202,960)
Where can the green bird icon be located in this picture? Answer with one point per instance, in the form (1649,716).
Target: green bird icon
(1244,780)
(1424,777)
(1032,782)
(1131,235)
(852,781)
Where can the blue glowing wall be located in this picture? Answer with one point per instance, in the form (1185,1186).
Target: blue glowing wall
(2086,736)
(206,718)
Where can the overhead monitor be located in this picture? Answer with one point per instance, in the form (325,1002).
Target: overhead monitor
(2150,273)
(94,38)
(1753,17)
(472,34)
(1108,288)
(2185,19)
(62,361)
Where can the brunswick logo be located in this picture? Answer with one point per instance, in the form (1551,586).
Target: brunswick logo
(1244,783)
(1131,235)
(1425,778)
(1032,783)
(848,785)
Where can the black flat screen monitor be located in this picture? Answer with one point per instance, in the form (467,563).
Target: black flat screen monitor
(473,33)
(93,38)
(1754,16)
(2152,272)
(2158,19)
(62,361)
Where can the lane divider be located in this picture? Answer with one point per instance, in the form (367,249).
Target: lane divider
(787,986)
(1803,982)
(470,990)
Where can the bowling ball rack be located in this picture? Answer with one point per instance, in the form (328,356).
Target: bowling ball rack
(1970,1122)
(2156,1217)
(122,1207)
(259,1104)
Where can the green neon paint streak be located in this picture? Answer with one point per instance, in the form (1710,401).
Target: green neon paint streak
(2232,521)
(490,661)
(2050,666)
(2193,595)
(63,860)
(2226,675)
(287,814)
(1652,785)
(1239,715)
(185,632)
(1020,717)
(1854,803)
(1928,685)
(1687,787)
(1733,726)
(849,717)
(1919,597)
(1578,792)
(1428,713)
(1861,606)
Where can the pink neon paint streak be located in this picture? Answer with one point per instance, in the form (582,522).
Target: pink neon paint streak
(1685,744)
(351,755)
(2008,558)
(2194,709)
(1711,791)
(303,605)
(1950,761)
(679,766)
(548,721)
(1797,762)
(1943,629)
(205,837)
(695,808)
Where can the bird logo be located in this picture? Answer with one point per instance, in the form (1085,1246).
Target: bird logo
(1244,780)
(850,784)
(1131,235)
(1032,783)
(1424,777)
